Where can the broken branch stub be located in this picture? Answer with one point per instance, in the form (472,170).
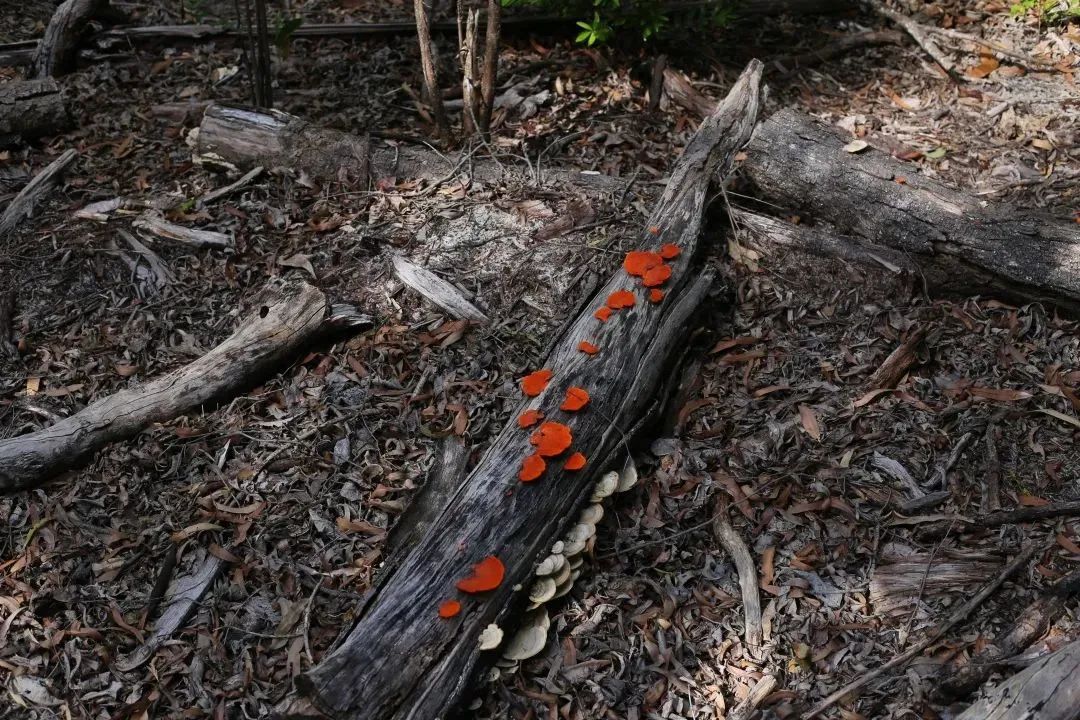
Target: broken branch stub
(400,660)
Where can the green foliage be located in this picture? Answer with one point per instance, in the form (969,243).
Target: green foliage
(1050,10)
(647,19)
(284,32)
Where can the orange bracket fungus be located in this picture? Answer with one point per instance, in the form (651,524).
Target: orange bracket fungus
(639,262)
(576,398)
(449,609)
(486,575)
(532,467)
(587,347)
(656,295)
(654,230)
(575,462)
(551,439)
(602,314)
(656,276)
(669,251)
(529,418)
(534,383)
(621,299)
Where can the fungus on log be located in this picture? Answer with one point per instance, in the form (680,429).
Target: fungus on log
(400,660)
(290,315)
(31,109)
(868,204)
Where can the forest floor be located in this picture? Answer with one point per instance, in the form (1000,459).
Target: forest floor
(297,481)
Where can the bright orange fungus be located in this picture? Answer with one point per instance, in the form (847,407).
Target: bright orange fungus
(529,418)
(639,262)
(486,575)
(656,295)
(551,439)
(576,398)
(605,312)
(669,251)
(587,347)
(656,276)
(654,230)
(620,299)
(534,383)
(449,609)
(532,467)
(574,462)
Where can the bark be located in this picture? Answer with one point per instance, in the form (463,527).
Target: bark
(23,205)
(31,109)
(871,204)
(429,65)
(239,138)
(492,33)
(291,315)
(1047,690)
(400,660)
(56,53)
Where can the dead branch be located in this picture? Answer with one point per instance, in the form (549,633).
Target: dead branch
(436,290)
(22,206)
(488,79)
(898,362)
(429,54)
(918,32)
(155,224)
(1046,690)
(55,54)
(748,576)
(31,109)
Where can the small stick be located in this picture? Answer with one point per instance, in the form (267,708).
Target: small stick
(992,487)
(761,690)
(918,32)
(898,362)
(956,618)
(748,579)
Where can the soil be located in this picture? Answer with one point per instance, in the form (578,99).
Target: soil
(297,482)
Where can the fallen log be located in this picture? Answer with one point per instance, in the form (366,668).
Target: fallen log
(400,660)
(55,54)
(237,138)
(22,205)
(291,314)
(31,109)
(1047,690)
(873,204)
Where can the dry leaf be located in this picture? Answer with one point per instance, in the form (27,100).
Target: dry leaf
(987,65)
(810,422)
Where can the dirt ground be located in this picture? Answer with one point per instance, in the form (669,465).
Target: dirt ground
(296,482)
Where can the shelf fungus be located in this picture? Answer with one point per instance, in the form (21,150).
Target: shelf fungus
(628,478)
(542,590)
(605,486)
(491,637)
(550,565)
(531,638)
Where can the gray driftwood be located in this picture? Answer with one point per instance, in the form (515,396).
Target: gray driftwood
(31,109)
(867,204)
(436,290)
(158,226)
(23,204)
(400,660)
(1047,690)
(291,314)
(56,53)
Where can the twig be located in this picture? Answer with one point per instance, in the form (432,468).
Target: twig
(898,362)
(918,32)
(950,462)
(221,192)
(1026,60)
(22,206)
(992,486)
(956,618)
(761,690)
(748,579)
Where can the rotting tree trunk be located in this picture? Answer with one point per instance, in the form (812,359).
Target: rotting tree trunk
(400,660)
(31,109)
(291,315)
(868,203)
(429,64)
(1047,690)
(240,138)
(56,53)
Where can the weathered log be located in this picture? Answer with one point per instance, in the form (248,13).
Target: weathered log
(1047,690)
(31,109)
(22,205)
(436,290)
(154,224)
(400,660)
(241,138)
(292,314)
(874,204)
(55,54)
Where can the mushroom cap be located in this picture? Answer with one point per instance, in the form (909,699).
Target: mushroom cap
(490,637)
(628,478)
(564,573)
(574,548)
(542,590)
(581,531)
(557,548)
(592,514)
(564,588)
(605,486)
(575,562)
(528,641)
(551,565)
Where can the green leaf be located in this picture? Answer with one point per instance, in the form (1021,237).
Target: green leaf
(936,154)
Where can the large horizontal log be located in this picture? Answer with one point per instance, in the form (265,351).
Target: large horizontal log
(876,204)
(1047,690)
(291,314)
(31,109)
(400,660)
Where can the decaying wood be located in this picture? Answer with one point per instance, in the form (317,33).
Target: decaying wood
(217,194)
(181,602)
(748,577)
(872,203)
(1031,624)
(761,690)
(492,33)
(899,361)
(7,319)
(31,109)
(679,90)
(55,54)
(291,314)
(147,266)
(17,54)
(400,660)
(158,226)
(429,54)
(898,583)
(959,615)
(1047,690)
(918,32)
(238,138)
(22,205)
(436,290)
